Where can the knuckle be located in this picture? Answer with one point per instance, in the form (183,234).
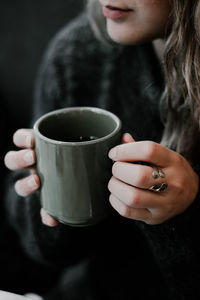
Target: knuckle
(134,198)
(126,211)
(135,215)
(142,177)
(178,159)
(150,149)
(179,186)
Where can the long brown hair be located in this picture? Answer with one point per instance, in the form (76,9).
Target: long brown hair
(182,65)
(180,103)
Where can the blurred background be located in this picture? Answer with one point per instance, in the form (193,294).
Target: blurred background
(26,26)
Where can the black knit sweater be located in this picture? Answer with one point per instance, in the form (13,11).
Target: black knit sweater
(118,258)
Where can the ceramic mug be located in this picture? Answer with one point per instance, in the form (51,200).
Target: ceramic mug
(72,146)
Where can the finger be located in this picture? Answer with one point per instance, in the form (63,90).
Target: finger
(27,185)
(146,151)
(47,219)
(134,197)
(15,160)
(24,138)
(140,214)
(127,138)
(137,175)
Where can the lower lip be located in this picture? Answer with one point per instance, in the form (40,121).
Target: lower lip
(114,13)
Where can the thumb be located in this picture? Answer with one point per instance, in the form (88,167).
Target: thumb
(47,219)
(127,138)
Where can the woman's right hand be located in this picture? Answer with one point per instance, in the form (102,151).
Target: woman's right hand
(26,159)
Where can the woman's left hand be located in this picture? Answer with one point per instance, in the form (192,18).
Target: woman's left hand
(136,189)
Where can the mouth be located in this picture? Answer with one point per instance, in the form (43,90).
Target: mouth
(117,8)
(112,12)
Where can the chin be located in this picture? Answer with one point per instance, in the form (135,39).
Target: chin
(120,39)
(121,35)
(131,34)
(126,40)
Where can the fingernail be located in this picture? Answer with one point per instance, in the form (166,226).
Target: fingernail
(32,183)
(113,152)
(28,157)
(28,141)
(128,137)
(49,221)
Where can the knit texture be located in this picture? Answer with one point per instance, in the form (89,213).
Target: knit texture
(118,258)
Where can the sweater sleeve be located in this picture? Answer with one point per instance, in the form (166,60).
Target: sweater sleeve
(175,247)
(61,245)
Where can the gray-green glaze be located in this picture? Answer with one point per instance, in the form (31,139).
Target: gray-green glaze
(74,176)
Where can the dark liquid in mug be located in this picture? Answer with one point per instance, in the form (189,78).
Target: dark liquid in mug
(80,139)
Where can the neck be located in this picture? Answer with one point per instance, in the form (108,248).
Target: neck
(159,46)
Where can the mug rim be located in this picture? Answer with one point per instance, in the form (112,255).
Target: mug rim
(78,108)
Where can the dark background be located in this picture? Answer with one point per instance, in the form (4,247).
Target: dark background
(26,26)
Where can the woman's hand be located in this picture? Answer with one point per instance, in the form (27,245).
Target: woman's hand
(25,159)
(133,185)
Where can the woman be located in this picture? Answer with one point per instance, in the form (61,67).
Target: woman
(144,68)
